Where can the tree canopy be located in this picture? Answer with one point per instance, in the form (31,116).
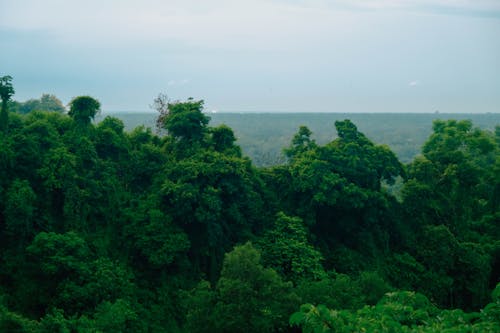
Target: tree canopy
(6,92)
(83,109)
(108,230)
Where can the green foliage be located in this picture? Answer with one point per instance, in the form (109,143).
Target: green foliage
(156,237)
(215,199)
(223,140)
(337,291)
(395,312)
(20,211)
(448,199)
(6,92)
(336,189)
(186,121)
(457,165)
(247,297)
(6,88)
(46,102)
(340,291)
(491,312)
(104,230)
(13,322)
(83,109)
(404,271)
(59,254)
(116,317)
(301,142)
(286,248)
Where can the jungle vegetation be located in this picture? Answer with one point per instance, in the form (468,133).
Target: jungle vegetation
(107,230)
(262,136)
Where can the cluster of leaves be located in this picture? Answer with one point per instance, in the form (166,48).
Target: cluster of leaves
(46,102)
(103,230)
(401,311)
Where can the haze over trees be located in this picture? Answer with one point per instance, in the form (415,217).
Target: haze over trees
(262,136)
(46,102)
(104,230)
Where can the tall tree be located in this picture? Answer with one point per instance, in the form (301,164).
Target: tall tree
(286,248)
(336,189)
(301,142)
(6,92)
(83,109)
(185,120)
(247,298)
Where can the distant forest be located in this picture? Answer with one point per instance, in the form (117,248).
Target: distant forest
(262,136)
(104,229)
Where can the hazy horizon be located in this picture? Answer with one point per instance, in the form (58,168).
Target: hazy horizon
(296,112)
(340,56)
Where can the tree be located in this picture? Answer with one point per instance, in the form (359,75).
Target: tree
(252,298)
(184,121)
(111,141)
(459,167)
(216,200)
(223,140)
(14,322)
(286,249)
(19,212)
(301,142)
(46,102)
(6,92)
(336,189)
(248,297)
(161,104)
(154,235)
(83,109)
(51,103)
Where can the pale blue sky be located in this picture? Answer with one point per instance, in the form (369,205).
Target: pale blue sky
(259,55)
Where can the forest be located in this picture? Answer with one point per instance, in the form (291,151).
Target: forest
(262,136)
(108,230)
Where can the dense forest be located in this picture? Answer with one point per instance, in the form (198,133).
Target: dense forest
(107,230)
(262,136)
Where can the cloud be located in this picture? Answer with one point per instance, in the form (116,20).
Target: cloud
(189,21)
(470,5)
(227,24)
(229,47)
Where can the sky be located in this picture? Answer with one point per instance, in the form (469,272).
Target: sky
(258,55)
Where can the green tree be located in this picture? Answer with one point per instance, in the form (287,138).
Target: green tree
(216,199)
(450,202)
(247,297)
(223,140)
(336,189)
(146,159)
(14,322)
(6,92)
(46,102)
(111,142)
(59,254)
(185,121)
(458,165)
(117,317)
(161,105)
(154,235)
(83,109)
(336,291)
(287,249)
(301,142)
(20,212)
